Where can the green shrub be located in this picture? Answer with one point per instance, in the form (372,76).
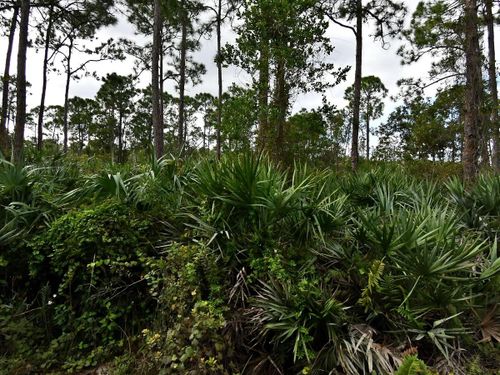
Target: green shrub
(247,207)
(188,335)
(193,344)
(479,205)
(299,319)
(205,267)
(95,261)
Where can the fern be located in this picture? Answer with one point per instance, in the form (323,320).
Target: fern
(413,366)
(374,278)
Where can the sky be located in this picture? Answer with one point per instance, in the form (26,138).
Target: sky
(384,63)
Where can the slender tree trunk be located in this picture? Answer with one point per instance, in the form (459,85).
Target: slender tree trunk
(44,80)
(150,132)
(473,92)
(367,137)
(219,78)
(461,159)
(208,138)
(281,105)
(21,82)
(357,86)
(9,117)
(263,131)
(453,150)
(460,148)
(82,140)
(111,119)
(66,97)
(120,138)
(204,134)
(162,83)
(185,132)
(155,81)
(492,73)
(182,78)
(4,141)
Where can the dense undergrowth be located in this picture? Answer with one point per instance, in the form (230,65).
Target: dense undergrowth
(242,267)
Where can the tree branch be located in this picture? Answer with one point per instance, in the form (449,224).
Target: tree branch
(342,24)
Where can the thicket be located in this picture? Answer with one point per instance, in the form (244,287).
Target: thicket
(242,266)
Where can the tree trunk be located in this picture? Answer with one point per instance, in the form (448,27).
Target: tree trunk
(209,135)
(204,133)
(182,78)
(461,142)
(44,80)
(281,106)
(357,86)
(219,80)
(263,131)
(4,141)
(111,119)
(453,150)
(473,92)
(150,133)
(82,140)
(66,97)
(492,73)
(155,81)
(162,83)
(367,137)
(185,132)
(21,82)
(120,138)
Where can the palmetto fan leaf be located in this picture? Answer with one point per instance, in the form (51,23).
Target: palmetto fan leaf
(489,319)
(315,208)
(441,336)
(254,203)
(102,185)
(293,317)
(358,353)
(439,261)
(15,182)
(478,206)
(20,219)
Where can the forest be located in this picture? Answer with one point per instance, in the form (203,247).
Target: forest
(229,212)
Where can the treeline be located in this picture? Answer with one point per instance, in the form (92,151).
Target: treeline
(285,49)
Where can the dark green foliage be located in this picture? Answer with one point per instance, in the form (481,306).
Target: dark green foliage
(94,262)
(188,337)
(247,207)
(423,127)
(14,182)
(479,206)
(299,319)
(239,266)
